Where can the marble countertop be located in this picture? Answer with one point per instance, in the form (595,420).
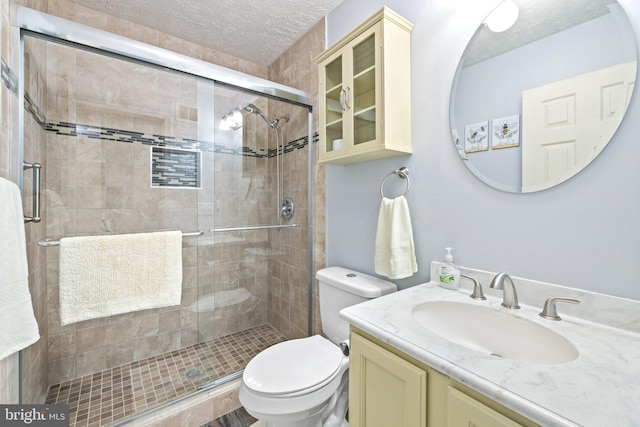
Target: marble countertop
(599,388)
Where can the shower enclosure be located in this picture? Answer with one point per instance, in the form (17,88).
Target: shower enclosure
(132,139)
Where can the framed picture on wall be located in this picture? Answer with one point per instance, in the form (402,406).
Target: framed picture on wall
(476,137)
(456,140)
(505,132)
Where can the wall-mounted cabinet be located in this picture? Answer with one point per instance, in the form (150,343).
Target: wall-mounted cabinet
(387,387)
(365,92)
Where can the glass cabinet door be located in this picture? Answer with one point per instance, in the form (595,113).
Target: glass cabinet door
(334,106)
(363,99)
(365,92)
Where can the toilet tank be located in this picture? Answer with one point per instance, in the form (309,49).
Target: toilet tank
(340,288)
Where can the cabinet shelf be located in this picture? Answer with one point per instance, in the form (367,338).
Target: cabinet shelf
(336,88)
(365,72)
(334,105)
(334,123)
(368,114)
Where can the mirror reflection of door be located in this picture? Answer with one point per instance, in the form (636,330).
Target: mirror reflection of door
(551,41)
(559,137)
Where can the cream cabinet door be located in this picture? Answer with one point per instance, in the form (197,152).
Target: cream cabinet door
(384,390)
(350,81)
(464,411)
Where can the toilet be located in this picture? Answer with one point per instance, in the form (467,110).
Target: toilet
(304,382)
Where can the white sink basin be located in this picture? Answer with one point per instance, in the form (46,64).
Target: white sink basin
(493,332)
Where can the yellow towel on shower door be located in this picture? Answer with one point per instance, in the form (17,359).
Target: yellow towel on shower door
(106,275)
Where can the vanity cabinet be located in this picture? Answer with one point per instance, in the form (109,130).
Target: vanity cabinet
(384,389)
(365,92)
(387,387)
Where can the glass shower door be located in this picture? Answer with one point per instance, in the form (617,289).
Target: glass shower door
(125,147)
(128,147)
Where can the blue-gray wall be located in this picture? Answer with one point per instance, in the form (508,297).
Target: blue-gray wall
(584,233)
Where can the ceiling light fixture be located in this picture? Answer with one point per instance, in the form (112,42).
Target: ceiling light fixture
(503,17)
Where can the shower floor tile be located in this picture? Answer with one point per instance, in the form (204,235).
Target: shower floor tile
(114,394)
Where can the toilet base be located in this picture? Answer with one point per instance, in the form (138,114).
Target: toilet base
(330,413)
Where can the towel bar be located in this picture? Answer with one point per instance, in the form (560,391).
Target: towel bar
(48,242)
(253,227)
(403,173)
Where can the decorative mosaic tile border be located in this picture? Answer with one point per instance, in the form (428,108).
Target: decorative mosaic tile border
(175,162)
(111,134)
(171,168)
(34,110)
(9,78)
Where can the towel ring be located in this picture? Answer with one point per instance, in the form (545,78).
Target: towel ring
(403,173)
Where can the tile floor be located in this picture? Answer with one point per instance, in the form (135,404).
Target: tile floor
(237,418)
(105,397)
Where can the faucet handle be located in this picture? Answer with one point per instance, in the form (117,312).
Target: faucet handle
(477,288)
(549,310)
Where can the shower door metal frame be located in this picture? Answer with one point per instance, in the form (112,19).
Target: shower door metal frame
(73,32)
(53,28)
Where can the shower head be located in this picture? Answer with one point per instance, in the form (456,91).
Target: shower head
(247,106)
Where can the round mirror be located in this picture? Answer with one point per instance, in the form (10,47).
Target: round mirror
(541,89)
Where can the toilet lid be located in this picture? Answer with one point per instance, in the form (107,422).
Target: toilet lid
(292,366)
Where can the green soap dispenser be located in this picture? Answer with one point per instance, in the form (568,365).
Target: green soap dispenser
(449,273)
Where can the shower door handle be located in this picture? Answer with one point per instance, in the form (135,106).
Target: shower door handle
(36,191)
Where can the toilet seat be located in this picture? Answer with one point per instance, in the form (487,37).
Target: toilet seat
(294,367)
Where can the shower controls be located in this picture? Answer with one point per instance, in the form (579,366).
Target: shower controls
(287,209)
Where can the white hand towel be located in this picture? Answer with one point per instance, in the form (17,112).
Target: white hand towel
(394,253)
(18,326)
(102,276)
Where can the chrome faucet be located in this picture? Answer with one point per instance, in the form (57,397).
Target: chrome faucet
(509,297)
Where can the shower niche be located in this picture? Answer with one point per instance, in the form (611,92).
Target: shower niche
(173,168)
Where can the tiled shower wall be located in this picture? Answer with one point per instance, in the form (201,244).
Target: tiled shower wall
(288,295)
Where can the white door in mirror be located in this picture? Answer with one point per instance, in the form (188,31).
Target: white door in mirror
(558,138)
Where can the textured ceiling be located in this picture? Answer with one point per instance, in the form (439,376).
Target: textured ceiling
(537,19)
(256,30)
